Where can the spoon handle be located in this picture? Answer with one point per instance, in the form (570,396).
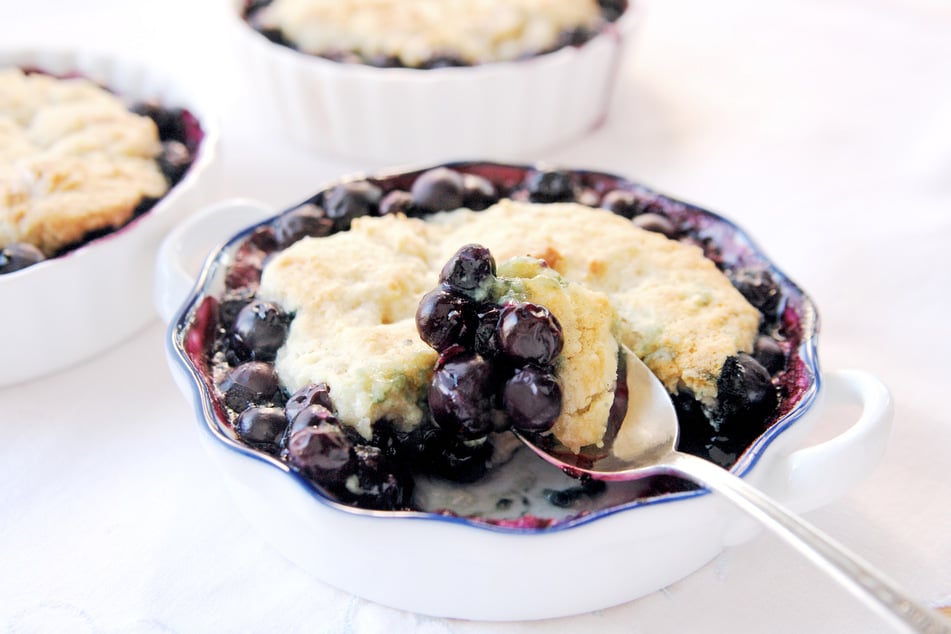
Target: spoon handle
(861,578)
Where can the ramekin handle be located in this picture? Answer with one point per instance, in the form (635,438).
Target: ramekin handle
(184,248)
(821,473)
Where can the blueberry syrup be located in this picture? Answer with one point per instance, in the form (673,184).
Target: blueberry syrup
(456,444)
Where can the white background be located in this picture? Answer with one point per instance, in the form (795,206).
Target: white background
(823,128)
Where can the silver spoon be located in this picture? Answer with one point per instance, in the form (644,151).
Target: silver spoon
(645,446)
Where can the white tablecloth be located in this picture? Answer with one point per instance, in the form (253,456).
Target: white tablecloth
(824,128)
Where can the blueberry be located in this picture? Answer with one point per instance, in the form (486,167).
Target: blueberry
(259,331)
(273,35)
(656,223)
(478,192)
(261,427)
(439,189)
(313,394)
(19,255)
(620,202)
(264,239)
(307,220)
(251,383)
(532,399)
(174,160)
(630,204)
(416,447)
(323,453)
(761,290)
(744,390)
(170,122)
(380,485)
(396,202)
(460,394)
(486,334)
(309,416)
(145,203)
(443,60)
(550,187)
(351,200)
(253,6)
(462,461)
(442,319)
(769,353)
(232,301)
(383,491)
(574,37)
(612,9)
(385,61)
(470,270)
(528,332)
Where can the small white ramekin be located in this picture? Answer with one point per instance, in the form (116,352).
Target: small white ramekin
(505,110)
(68,308)
(451,566)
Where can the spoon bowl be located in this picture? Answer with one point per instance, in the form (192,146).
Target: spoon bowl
(645,445)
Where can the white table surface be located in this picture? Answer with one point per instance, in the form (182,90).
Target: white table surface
(824,128)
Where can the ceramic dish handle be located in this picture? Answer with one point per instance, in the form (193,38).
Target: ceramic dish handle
(821,473)
(183,249)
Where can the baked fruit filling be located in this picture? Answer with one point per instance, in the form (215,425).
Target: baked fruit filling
(430,33)
(397,327)
(77,162)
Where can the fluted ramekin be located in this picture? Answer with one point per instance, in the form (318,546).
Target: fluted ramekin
(507,110)
(459,565)
(68,308)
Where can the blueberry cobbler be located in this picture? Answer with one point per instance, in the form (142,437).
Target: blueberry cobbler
(77,161)
(430,33)
(394,329)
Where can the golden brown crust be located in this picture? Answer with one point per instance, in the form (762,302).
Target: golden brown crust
(73,160)
(355,296)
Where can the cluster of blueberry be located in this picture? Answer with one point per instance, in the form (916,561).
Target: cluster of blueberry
(177,130)
(302,428)
(747,398)
(180,135)
(495,365)
(495,370)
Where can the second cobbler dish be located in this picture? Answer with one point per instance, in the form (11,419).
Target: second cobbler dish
(384,334)
(79,161)
(430,80)
(429,34)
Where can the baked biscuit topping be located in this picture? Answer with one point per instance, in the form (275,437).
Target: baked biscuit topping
(355,294)
(417,31)
(73,159)
(587,366)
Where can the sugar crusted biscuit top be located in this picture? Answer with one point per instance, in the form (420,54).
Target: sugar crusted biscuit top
(355,296)
(73,159)
(415,31)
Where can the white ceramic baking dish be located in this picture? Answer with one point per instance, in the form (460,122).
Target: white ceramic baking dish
(632,544)
(68,308)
